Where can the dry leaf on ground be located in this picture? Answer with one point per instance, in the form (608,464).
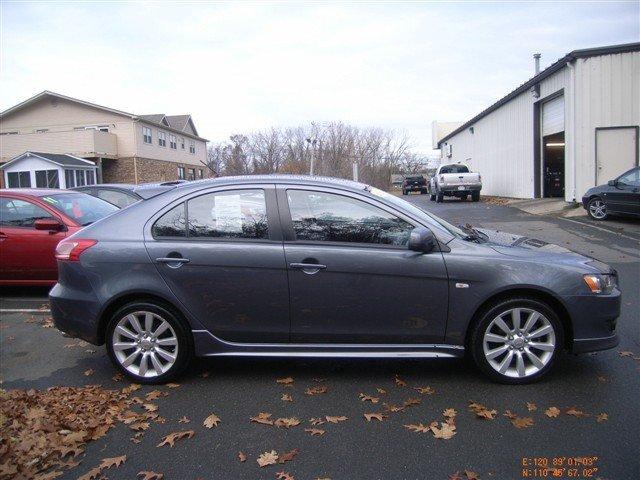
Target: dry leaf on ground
(287,422)
(368,398)
(522,422)
(285,381)
(172,385)
(211,421)
(315,431)
(175,436)
(552,412)
(288,456)
(242,456)
(471,475)
(450,413)
(286,397)
(574,412)
(147,475)
(267,458)
(183,419)
(425,390)
(445,432)
(92,474)
(316,390)
(316,421)
(263,418)
(113,462)
(284,476)
(602,417)
(400,382)
(331,419)
(419,428)
(374,416)
(532,407)
(482,412)
(88,372)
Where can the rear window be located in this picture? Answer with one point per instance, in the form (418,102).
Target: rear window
(82,208)
(414,178)
(454,169)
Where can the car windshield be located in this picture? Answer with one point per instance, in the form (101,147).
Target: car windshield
(404,205)
(419,177)
(82,208)
(454,169)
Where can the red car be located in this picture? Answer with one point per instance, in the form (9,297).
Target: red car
(32,222)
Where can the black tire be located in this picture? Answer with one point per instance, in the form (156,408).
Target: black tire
(489,314)
(177,323)
(432,197)
(439,197)
(592,209)
(475,196)
(463,198)
(404,192)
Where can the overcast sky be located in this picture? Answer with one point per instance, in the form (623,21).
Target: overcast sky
(240,66)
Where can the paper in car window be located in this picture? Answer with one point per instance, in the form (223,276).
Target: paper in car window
(227,213)
(53,201)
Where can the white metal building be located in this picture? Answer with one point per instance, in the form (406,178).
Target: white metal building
(572,126)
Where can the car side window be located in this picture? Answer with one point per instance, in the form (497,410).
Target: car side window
(171,224)
(229,214)
(119,199)
(632,178)
(19,213)
(320,216)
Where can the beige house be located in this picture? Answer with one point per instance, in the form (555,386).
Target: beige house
(125,148)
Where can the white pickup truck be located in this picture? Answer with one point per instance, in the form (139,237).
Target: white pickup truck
(455,180)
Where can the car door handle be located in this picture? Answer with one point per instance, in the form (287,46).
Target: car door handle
(173,261)
(307,267)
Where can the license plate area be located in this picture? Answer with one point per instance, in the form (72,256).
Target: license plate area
(461,187)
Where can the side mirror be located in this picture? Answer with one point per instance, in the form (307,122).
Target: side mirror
(612,183)
(422,240)
(51,224)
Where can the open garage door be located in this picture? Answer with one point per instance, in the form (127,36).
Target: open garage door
(553,147)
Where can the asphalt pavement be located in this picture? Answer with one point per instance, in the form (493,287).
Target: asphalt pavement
(35,356)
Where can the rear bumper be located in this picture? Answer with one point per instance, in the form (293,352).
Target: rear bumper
(410,188)
(75,313)
(453,190)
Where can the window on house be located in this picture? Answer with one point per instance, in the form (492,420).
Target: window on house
(192,174)
(69,179)
(16,133)
(91,178)
(79,178)
(182,142)
(172,142)
(200,173)
(162,139)
(42,130)
(47,179)
(180,173)
(146,134)
(19,179)
(192,147)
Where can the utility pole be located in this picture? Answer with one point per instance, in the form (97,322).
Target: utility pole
(355,171)
(312,142)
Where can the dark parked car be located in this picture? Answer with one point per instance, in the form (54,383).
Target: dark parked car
(124,194)
(32,222)
(414,183)
(302,266)
(618,197)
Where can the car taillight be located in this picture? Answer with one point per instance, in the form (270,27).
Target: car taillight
(71,250)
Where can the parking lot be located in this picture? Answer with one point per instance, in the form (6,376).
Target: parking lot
(596,395)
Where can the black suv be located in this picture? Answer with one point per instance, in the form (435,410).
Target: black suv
(414,183)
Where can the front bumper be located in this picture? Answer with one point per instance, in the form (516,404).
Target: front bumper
(594,321)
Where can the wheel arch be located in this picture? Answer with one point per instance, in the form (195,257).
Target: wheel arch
(536,294)
(138,296)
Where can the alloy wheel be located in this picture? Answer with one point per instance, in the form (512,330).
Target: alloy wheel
(598,209)
(145,344)
(519,342)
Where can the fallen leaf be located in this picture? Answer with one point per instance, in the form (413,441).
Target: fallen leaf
(314,431)
(602,417)
(146,475)
(267,458)
(376,416)
(532,407)
(381,391)
(482,412)
(175,436)
(263,418)
(88,372)
(112,462)
(510,415)
(205,374)
(425,390)
(626,353)
(445,432)
(471,475)
(286,397)
(331,419)
(522,422)
(285,381)
(287,422)
(316,390)
(316,421)
(284,476)
(117,377)
(288,456)
(400,382)
(574,412)
(419,428)
(450,413)
(390,407)
(153,395)
(211,421)
(368,398)
(552,412)
(184,419)
(242,457)
(455,476)
(92,474)
(172,385)
(410,402)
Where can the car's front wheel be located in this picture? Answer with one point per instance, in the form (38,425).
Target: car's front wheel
(516,341)
(597,209)
(148,342)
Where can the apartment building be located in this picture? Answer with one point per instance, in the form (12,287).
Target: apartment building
(124,147)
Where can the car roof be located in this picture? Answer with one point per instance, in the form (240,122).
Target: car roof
(274,178)
(35,192)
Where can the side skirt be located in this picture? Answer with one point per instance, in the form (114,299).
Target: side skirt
(207,345)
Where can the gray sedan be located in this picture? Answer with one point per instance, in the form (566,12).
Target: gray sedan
(314,267)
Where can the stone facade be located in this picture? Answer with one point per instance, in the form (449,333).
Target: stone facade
(144,170)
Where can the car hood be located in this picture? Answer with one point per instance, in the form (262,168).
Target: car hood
(521,246)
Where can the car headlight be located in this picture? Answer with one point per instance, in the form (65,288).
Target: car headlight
(602,284)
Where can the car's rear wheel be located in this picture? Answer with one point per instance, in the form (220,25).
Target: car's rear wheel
(432,197)
(404,192)
(517,340)
(475,196)
(148,343)
(439,197)
(597,209)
